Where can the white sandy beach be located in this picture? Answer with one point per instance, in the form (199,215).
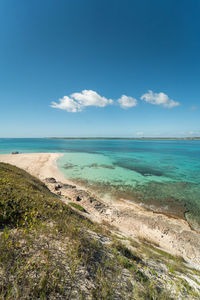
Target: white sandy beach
(40,165)
(171,234)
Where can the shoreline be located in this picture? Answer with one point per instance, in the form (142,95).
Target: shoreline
(174,210)
(171,234)
(124,138)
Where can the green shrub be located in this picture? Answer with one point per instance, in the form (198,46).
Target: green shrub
(77,206)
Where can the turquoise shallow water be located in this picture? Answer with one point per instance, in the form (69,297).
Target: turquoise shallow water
(161,174)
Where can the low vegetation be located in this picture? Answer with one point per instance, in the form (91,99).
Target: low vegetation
(77,206)
(48,250)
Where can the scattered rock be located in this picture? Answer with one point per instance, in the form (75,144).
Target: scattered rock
(83,194)
(92,199)
(78,198)
(65,185)
(99,206)
(50,180)
(57,187)
(68,186)
(15,152)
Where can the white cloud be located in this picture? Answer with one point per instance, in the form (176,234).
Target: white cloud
(68,104)
(91,98)
(127,102)
(77,101)
(159,99)
(193,107)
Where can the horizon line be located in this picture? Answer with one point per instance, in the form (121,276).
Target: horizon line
(106,138)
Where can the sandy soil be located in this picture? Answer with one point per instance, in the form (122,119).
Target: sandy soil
(171,234)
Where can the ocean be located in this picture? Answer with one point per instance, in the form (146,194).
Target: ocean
(161,175)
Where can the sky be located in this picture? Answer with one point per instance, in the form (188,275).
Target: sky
(99,68)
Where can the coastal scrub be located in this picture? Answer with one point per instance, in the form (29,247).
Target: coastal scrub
(48,250)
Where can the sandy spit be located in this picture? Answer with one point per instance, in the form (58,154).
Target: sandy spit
(40,165)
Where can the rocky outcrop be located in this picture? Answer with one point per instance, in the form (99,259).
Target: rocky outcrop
(50,180)
(171,234)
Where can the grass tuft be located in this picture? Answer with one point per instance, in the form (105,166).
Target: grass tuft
(77,206)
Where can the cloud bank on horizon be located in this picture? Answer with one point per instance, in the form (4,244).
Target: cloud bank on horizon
(76,102)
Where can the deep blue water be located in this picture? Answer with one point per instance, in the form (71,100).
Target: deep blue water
(161,174)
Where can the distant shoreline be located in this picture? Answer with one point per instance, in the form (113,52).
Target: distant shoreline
(106,138)
(123,138)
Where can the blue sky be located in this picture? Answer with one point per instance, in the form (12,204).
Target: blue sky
(99,68)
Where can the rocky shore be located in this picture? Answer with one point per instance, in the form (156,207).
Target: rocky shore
(171,234)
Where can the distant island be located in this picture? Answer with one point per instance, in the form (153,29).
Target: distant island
(124,138)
